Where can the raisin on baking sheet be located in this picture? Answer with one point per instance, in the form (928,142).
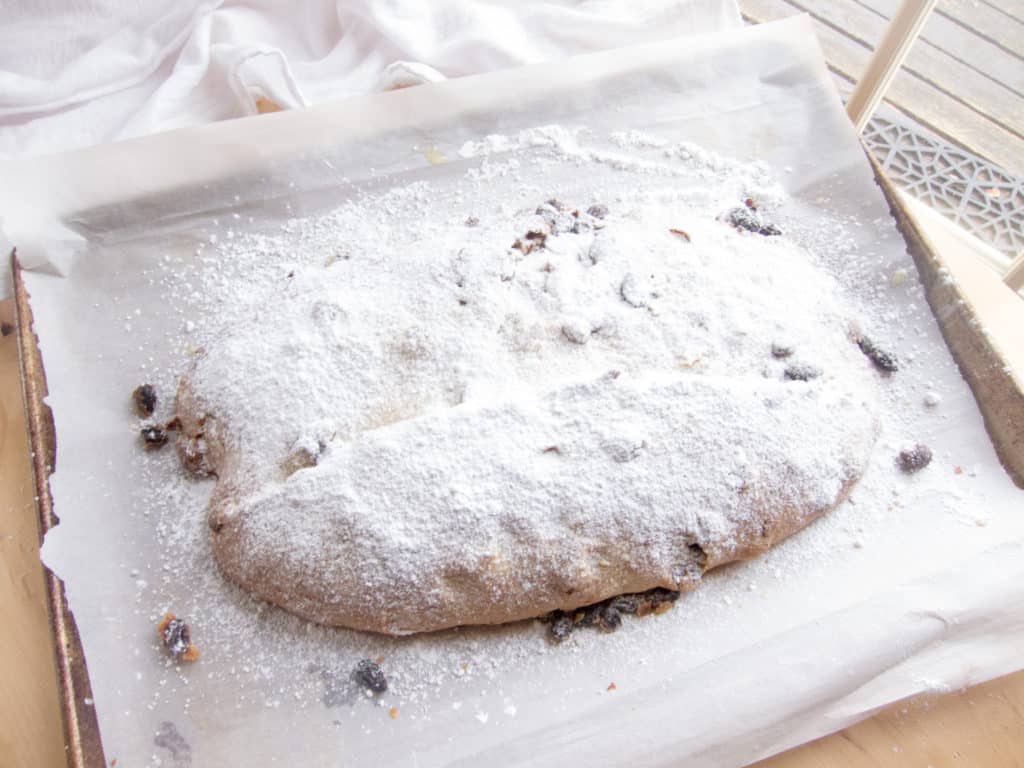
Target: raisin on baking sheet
(607,614)
(177,638)
(800,372)
(144,398)
(914,459)
(748,219)
(369,675)
(883,360)
(561,626)
(154,436)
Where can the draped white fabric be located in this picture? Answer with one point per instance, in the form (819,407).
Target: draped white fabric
(81,72)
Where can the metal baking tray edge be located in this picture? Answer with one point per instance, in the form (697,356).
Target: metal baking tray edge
(999,397)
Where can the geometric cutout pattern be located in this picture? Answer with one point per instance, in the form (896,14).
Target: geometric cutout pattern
(980,197)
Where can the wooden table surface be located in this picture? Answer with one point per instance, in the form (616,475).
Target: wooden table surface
(982,727)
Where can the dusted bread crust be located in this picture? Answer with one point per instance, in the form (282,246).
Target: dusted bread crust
(386,534)
(478,420)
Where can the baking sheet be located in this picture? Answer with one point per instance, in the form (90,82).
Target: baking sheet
(915,586)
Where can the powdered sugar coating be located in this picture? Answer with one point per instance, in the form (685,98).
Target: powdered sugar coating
(431,419)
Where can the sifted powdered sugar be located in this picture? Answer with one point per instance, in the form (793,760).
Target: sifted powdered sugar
(444,411)
(799,291)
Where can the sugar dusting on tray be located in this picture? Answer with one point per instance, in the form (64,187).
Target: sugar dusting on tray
(713,311)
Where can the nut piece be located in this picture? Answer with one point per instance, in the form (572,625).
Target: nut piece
(176,637)
(144,397)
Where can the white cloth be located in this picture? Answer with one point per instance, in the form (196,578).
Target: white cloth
(81,72)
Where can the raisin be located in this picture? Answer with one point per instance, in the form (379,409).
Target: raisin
(884,361)
(369,675)
(914,459)
(561,626)
(610,619)
(153,437)
(6,329)
(660,595)
(145,399)
(177,638)
(781,351)
(589,615)
(624,603)
(801,372)
(598,211)
(657,600)
(748,219)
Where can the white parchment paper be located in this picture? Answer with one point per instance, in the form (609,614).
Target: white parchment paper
(915,585)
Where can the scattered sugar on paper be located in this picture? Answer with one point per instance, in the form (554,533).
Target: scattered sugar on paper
(379,265)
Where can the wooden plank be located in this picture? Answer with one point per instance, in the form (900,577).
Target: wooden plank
(31,731)
(966,45)
(1011,8)
(985,21)
(936,67)
(889,54)
(921,102)
(977,728)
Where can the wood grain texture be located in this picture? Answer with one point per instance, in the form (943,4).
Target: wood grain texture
(982,727)
(31,730)
(952,100)
(970,44)
(985,21)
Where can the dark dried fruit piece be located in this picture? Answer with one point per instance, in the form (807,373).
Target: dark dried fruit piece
(177,638)
(369,675)
(801,372)
(561,626)
(658,600)
(598,210)
(884,361)
(624,603)
(751,221)
(6,329)
(781,351)
(153,437)
(589,615)
(610,619)
(914,459)
(144,397)
(607,614)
